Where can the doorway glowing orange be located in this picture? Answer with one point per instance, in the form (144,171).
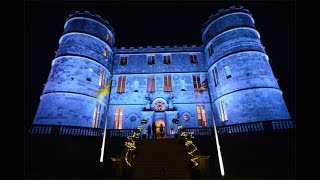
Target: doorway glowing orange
(158,123)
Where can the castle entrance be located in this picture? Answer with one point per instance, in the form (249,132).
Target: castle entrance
(158,123)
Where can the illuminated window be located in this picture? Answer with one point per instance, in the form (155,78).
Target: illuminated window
(118,118)
(201,115)
(96,116)
(186,117)
(121,84)
(150,84)
(166,59)
(210,50)
(89,74)
(159,106)
(223,111)
(108,38)
(106,52)
(102,79)
(194,59)
(172,131)
(167,83)
(151,59)
(196,83)
(228,72)
(208,36)
(216,76)
(124,60)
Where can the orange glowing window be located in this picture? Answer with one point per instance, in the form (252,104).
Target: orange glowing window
(121,84)
(118,118)
(106,52)
(201,115)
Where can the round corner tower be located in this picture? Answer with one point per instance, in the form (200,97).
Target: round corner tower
(241,82)
(80,69)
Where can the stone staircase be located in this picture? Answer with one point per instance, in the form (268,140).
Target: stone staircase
(161,159)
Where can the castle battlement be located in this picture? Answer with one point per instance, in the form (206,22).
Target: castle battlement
(88,14)
(159,49)
(222,12)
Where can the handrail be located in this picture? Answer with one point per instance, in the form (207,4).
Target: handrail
(259,126)
(58,130)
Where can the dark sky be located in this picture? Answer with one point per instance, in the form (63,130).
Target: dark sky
(154,24)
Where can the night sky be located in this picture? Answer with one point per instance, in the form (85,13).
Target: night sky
(154,24)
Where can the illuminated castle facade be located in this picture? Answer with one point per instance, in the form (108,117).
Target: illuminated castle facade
(228,79)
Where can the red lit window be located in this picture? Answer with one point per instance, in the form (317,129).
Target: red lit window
(118,118)
(123,60)
(121,84)
(194,59)
(151,59)
(196,83)
(150,84)
(166,59)
(167,83)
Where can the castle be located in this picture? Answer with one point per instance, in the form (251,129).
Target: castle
(228,79)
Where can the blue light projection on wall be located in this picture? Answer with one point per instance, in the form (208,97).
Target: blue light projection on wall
(231,71)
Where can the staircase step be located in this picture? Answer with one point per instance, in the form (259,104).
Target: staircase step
(153,155)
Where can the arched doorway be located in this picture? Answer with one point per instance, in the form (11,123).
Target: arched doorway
(158,124)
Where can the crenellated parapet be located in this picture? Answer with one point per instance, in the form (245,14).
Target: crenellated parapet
(223,12)
(96,17)
(159,49)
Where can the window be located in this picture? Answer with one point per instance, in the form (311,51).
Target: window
(150,84)
(167,83)
(172,131)
(166,59)
(215,76)
(89,74)
(210,49)
(102,79)
(151,59)
(228,72)
(208,36)
(106,52)
(223,111)
(121,84)
(159,106)
(201,115)
(108,38)
(96,116)
(196,82)
(194,59)
(123,60)
(118,118)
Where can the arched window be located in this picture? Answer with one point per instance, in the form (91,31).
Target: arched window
(159,106)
